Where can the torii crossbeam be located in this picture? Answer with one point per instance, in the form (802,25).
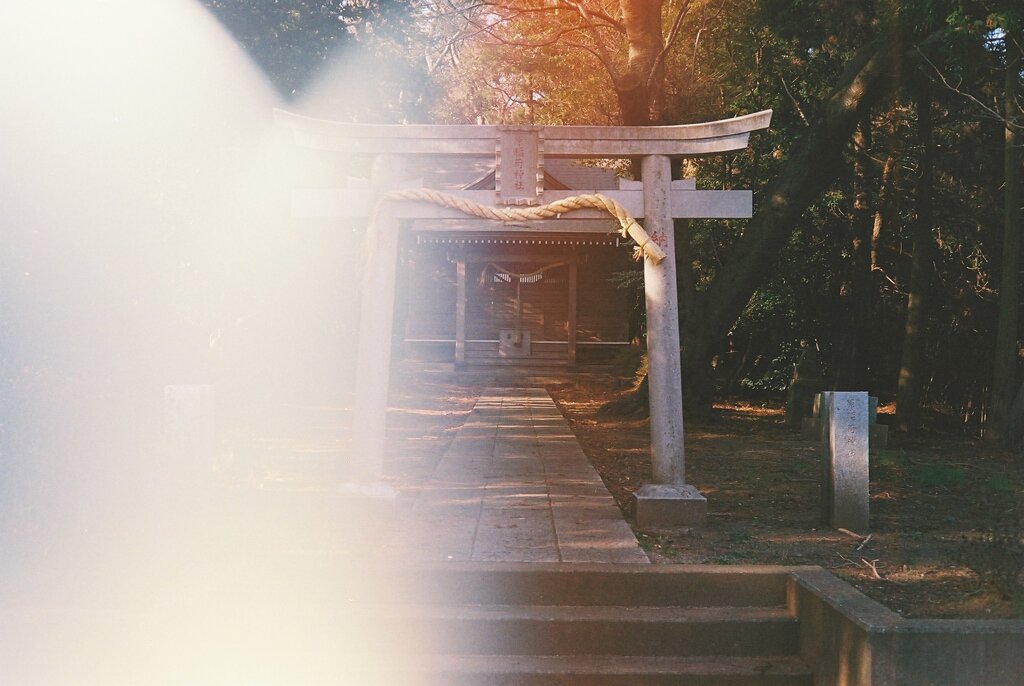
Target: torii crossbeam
(519,152)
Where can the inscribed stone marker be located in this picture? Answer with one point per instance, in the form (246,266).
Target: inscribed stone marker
(847,456)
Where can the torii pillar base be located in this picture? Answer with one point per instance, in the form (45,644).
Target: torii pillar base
(663,506)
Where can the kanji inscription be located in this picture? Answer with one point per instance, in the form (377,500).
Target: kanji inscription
(520,174)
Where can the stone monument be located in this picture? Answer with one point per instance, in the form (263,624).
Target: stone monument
(844,439)
(878,434)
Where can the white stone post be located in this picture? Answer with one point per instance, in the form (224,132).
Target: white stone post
(846,457)
(668,501)
(376,319)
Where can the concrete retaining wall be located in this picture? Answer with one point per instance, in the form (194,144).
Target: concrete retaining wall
(850,640)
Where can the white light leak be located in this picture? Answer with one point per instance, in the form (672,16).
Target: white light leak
(146,242)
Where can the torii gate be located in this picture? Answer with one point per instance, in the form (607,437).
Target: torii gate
(519,152)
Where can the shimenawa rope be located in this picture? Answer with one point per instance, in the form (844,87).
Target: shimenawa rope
(629,226)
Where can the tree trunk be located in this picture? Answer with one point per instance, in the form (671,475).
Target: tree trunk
(882,208)
(636,93)
(856,297)
(908,393)
(1004,358)
(644,38)
(1013,435)
(810,169)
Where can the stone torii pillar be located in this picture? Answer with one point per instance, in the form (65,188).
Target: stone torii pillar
(376,321)
(520,151)
(669,500)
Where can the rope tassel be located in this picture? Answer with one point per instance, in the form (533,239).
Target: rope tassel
(629,226)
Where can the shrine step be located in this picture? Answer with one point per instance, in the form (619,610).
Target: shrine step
(515,362)
(594,630)
(601,624)
(578,584)
(613,670)
(541,354)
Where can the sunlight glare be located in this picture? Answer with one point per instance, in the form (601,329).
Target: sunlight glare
(147,241)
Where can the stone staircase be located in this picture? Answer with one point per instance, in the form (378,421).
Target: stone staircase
(596,624)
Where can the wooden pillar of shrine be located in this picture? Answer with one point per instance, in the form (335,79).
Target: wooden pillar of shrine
(460,311)
(570,320)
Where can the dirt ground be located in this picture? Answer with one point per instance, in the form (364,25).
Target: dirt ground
(928,495)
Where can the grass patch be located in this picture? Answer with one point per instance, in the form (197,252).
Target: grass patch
(937,476)
(999,484)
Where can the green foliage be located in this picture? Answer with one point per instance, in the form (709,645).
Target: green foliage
(296,41)
(768,325)
(738,537)
(980,19)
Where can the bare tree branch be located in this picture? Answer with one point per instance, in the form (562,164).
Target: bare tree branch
(796,105)
(584,11)
(585,48)
(508,13)
(554,38)
(989,111)
(600,49)
(490,29)
(673,33)
(606,21)
(705,21)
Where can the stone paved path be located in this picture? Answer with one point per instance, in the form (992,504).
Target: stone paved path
(514,486)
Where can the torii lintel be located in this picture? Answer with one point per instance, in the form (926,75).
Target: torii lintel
(469,140)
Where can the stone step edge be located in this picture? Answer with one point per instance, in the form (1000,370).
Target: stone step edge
(582,665)
(618,614)
(621,584)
